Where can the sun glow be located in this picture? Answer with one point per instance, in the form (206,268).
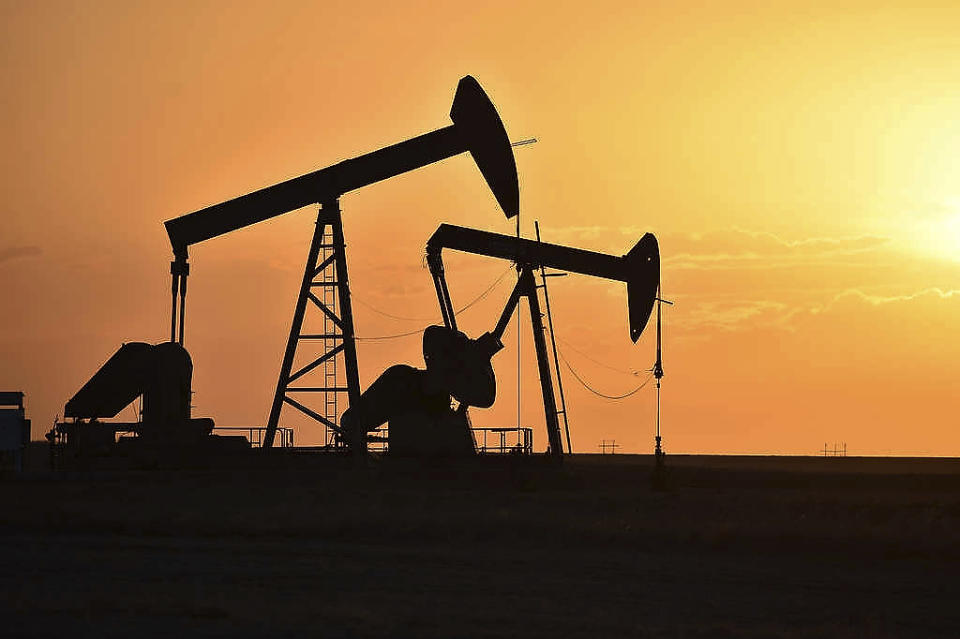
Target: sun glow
(945,238)
(937,235)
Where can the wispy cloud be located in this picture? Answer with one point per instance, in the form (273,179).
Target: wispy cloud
(877,300)
(745,249)
(731,316)
(748,315)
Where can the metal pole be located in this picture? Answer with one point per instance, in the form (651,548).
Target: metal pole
(443,305)
(450,314)
(174,283)
(183,300)
(519,367)
(435,262)
(543,365)
(658,451)
(553,343)
(658,373)
(179,269)
(519,333)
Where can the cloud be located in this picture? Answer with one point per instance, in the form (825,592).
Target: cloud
(750,315)
(928,301)
(15,252)
(731,316)
(877,300)
(912,329)
(745,249)
(712,320)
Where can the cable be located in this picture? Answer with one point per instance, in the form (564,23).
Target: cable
(559,352)
(485,293)
(427,319)
(633,373)
(383,337)
(596,392)
(418,331)
(385,314)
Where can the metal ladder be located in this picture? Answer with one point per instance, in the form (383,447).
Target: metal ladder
(329,297)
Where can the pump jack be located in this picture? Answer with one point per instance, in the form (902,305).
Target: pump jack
(476,128)
(460,367)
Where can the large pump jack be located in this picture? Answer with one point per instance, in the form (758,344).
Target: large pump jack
(419,400)
(476,129)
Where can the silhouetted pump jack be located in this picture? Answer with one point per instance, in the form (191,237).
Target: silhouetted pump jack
(417,403)
(476,129)
(161,374)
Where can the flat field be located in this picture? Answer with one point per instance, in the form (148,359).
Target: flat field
(733,547)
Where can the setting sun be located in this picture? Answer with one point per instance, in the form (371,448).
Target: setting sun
(943,238)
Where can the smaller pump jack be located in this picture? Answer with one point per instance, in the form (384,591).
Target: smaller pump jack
(416,402)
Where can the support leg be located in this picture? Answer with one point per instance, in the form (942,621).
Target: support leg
(346,308)
(294,337)
(174,286)
(435,261)
(179,269)
(183,302)
(543,364)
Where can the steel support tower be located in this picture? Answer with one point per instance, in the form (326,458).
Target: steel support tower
(325,272)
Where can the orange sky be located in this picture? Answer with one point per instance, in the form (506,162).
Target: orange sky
(798,164)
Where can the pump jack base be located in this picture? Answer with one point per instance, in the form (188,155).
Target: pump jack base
(132,453)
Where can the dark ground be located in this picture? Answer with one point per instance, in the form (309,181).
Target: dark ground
(736,547)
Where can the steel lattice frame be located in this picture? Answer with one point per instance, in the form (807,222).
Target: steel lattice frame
(326,271)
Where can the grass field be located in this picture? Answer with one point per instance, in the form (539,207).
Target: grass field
(734,547)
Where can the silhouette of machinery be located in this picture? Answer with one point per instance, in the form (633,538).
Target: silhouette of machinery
(161,374)
(476,129)
(416,402)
